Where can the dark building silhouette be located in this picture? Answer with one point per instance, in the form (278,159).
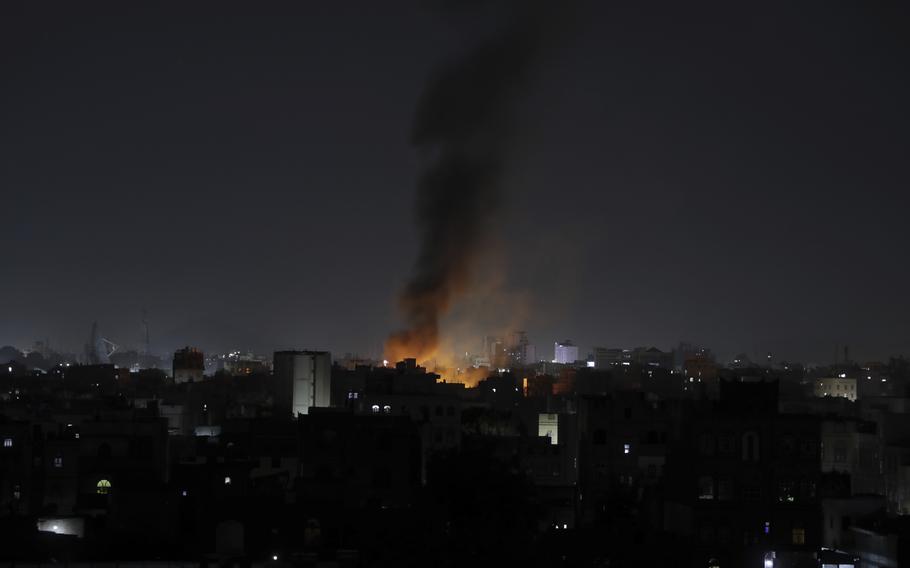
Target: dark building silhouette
(188,365)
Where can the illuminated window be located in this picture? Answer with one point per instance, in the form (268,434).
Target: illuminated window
(58,461)
(626,448)
(227,480)
(376,408)
(103,487)
(387,409)
(799,535)
(7,442)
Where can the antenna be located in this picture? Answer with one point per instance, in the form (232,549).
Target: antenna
(145,327)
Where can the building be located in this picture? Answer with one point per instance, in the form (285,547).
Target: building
(605,358)
(836,386)
(853,447)
(189,365)
(520,352)
(565,352)
(304,380)
(744,481)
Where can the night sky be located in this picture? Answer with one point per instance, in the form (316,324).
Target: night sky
(730,175)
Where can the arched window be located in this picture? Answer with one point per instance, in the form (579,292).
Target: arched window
(103,487)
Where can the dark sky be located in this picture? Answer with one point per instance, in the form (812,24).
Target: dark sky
(726,174)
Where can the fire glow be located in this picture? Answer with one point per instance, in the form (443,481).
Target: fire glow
(462,127)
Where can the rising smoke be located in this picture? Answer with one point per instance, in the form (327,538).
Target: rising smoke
(462,128)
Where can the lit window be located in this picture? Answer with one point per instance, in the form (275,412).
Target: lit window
(103,487)
(387,409)
(7,442)
(58,461)
(375,408)
(799,535)
(227,480)
(626,448)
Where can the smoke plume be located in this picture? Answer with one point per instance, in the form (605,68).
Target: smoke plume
(461,129)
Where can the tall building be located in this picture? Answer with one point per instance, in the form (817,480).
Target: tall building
(188,365)
(520,351)
(565,352)
(495,351)
(304,380)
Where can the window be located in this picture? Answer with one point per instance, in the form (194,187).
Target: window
(387,409)
(786,491)
(726,445)
(227,480)
(725,489)
(450,411)
(626,449)
(752,492)
(807,448)
(7,442)
(750,446)
(706,487)
(627,413)
(376,409)
(840,451)
(799,535)
(787,445)
(706,445)
(439,410)
(103,487)
(58,461)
